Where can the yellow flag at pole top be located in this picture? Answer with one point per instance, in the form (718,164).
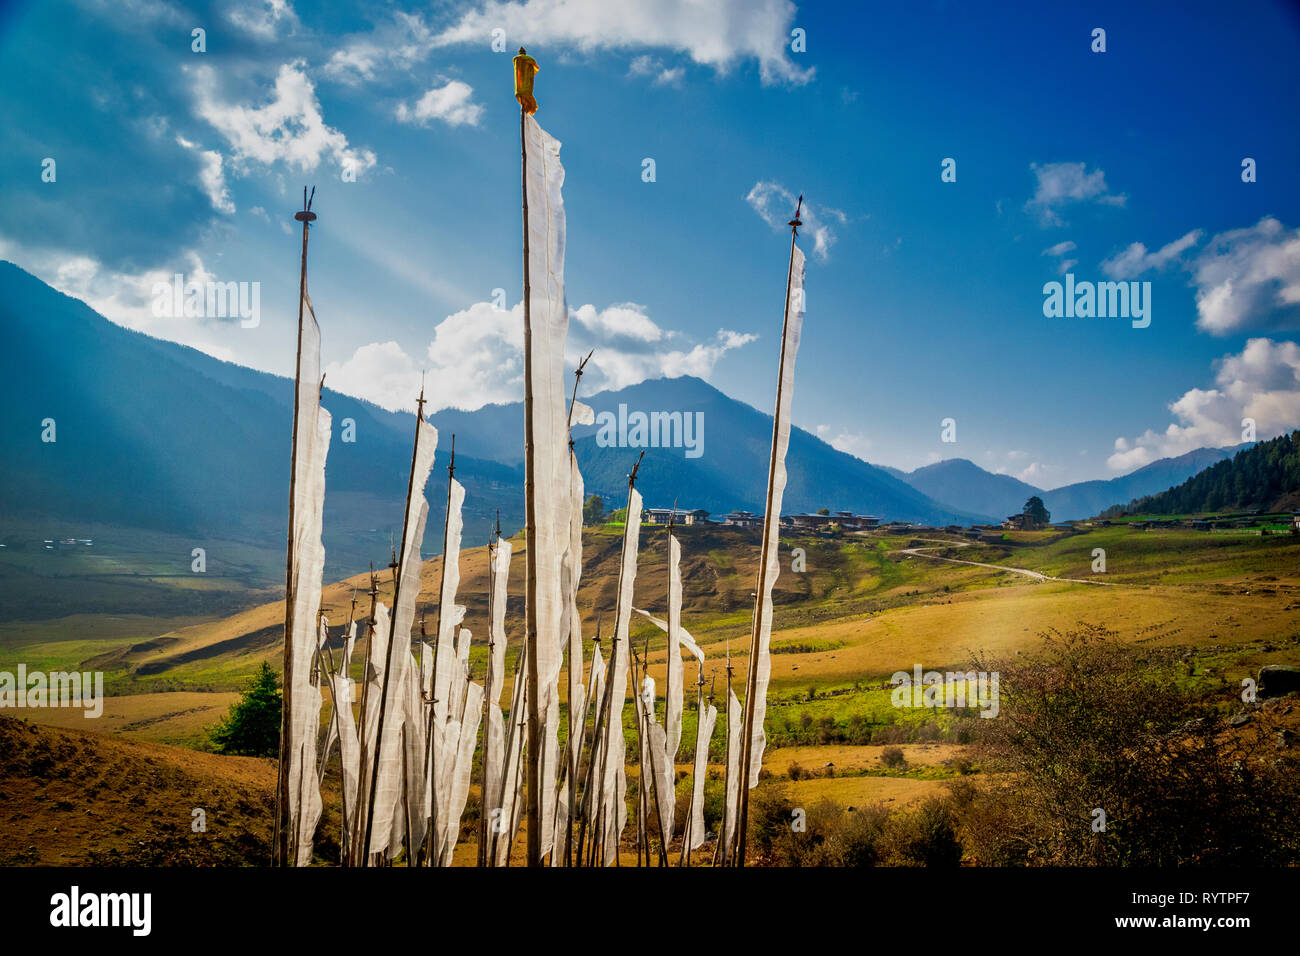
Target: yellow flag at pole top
(525,69)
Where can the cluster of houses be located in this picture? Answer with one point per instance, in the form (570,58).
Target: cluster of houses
(1023,522)
(848,521)
(1251,520)
(67,544)
(845,520)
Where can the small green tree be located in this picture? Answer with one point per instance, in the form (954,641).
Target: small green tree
(823,511)
(252,727)
(1037,512)
(593,510)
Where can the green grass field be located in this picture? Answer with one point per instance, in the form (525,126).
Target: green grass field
(861,610)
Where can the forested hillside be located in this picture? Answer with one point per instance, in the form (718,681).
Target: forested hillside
(1265,476)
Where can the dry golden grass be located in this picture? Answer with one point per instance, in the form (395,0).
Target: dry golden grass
(864,791)
(66,794)
(851,759)
(181,717)
(1008,619)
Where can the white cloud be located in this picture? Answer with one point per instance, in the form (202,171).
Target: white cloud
(627,320)
(1060,184)
(851,443)
(1261,382)
(653,67)
(776,204)
(1017,463)
(716,34)
(452,103)
(1035,473)
(1059,250)
(124,298)
(397,44)
(1249,280)
(381,372)
(352,64)
(1135,260)
(261,18)
(288,129)
(670,76)
(476,357)
(620,368)
(212,176)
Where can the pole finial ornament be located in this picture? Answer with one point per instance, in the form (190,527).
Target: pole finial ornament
(525,70)
(306,215)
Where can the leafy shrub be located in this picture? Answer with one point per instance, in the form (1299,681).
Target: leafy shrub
(1091,723)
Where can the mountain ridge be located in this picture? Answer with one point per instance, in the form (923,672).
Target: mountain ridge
(154,434)
(961,484)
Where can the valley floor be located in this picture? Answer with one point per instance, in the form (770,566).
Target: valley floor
(867,606)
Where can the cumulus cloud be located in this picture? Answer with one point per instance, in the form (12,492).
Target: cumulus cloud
(452,103)
(288,129)
(626,321)
(1135,260)
(212,176)
(776,204)
(1262,382)
(1063,184)
(381,372)
(1249,280)
(717,34)
(476,357)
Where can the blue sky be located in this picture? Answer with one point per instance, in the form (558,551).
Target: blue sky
(925,297)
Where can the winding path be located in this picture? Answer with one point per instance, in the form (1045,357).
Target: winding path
(1036,575)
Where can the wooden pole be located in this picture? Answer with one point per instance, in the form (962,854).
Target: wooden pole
(406,804)
(699,741)
(513,748)
(388,653)
(533,765)
(597,721)
(280,855)
(493,544)
(518,758)
(612,669)
(642,837)
(720,849)
(575,676)
(431,760)
(650,791)
(354,839)
(751,679)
